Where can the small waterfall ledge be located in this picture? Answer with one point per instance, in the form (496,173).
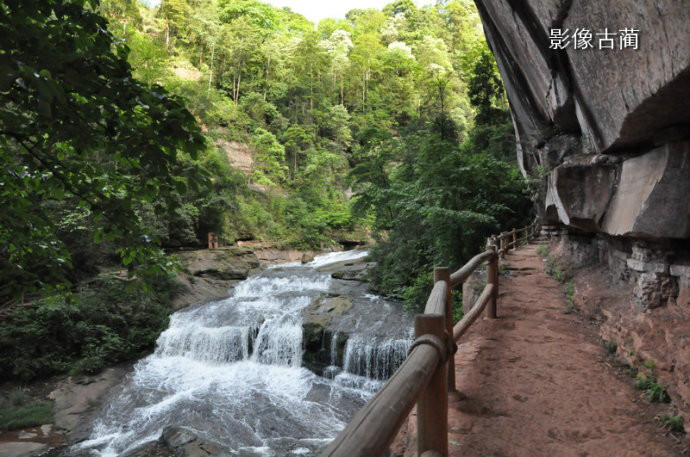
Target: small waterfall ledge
(275,370)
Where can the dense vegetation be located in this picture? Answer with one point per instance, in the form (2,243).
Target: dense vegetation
(120,125)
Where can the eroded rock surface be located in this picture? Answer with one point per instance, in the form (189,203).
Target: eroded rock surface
(78,396)
(622,113)
(210,273)
(231,262)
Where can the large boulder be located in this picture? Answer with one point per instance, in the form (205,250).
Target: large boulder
(651,199)
(231,262)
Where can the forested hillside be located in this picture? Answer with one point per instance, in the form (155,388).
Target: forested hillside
(127,129)
(402,108)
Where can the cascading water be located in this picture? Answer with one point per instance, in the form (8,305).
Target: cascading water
(230,372)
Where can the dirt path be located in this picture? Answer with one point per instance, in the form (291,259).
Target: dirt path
(538,383)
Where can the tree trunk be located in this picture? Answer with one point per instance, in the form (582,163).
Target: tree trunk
(210,73)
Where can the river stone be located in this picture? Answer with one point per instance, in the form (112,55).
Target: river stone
(315,318)
(175,437)
(324,309)
(358,272)
(184,443)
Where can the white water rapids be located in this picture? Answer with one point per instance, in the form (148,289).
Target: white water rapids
(231,371)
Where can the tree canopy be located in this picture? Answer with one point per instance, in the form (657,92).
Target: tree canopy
(76,127)
(121,124)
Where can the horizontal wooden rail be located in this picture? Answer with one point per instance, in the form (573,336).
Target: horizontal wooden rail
(428,371)
(510,240)
(463,273)
(468,319)
(374,427)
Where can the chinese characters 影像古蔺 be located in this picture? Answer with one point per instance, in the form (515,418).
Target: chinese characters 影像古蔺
(583,38)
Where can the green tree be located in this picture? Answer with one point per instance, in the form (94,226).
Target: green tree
(485,91)
(76,127)
(176,16)
(269,169)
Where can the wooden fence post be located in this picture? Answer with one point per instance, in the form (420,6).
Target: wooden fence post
(492,278)
(504,245)
(443,274)
(515,237)
(432,405)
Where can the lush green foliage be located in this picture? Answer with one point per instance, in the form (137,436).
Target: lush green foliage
(111,321)
(435,204)
(306,98)
(80,140)
(22,415)
(437,193)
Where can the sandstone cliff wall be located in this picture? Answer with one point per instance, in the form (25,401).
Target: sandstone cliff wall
(606,133)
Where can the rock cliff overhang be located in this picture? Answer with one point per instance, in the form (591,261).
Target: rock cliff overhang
(606,130)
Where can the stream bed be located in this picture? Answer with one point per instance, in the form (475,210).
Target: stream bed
(231,372)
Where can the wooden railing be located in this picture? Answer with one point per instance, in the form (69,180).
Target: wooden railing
(428,372)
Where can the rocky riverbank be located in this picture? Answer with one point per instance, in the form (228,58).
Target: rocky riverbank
(208,275)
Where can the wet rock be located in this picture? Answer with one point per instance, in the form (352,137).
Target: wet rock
(154,449)
(307,257)
(356,272)
(175,437)
(180,442)
(231,262)
(315,318)
(21,449)
(77,397)
(211,273)
(323,310)
(269,253)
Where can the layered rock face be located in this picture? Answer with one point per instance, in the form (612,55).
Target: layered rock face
(607,134)
(614,122)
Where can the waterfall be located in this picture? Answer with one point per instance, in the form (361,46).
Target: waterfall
(374,358)
(231,372)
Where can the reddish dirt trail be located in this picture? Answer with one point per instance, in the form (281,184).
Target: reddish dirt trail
(537,382)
